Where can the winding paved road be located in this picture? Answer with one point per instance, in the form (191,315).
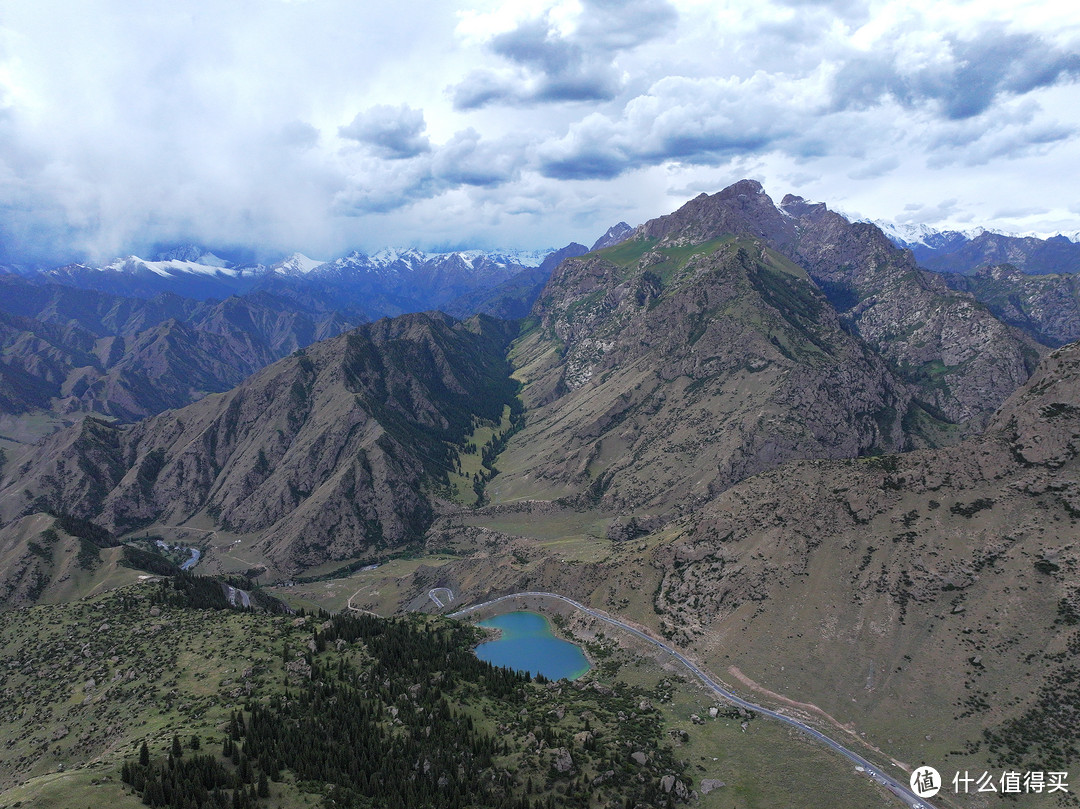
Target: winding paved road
(432,594)
(898,788)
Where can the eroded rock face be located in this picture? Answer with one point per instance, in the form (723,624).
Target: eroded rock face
(1046,307)
(893,558)
(75,351)
(963,360)
(665,374)
(959,357)
(734,335)
(323,454)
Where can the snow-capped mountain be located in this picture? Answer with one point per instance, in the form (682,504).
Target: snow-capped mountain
(388,282)
(295,265)
(174,267)
(393,261)
(911,235)
(192,253)
(615,234)
(969,250)
(917,235)
(201,276)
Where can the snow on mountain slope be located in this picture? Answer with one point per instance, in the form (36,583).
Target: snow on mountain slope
(296,264)
(912,235)
(173,267)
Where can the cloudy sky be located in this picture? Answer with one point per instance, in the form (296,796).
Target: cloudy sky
(326,125)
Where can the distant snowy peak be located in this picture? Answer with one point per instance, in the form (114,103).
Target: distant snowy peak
(191,254)
(398,261)
(173,267)
(615,234)
(474,258)
(388,256)
(522,258)
(917,235)
(296,264)
(914,235)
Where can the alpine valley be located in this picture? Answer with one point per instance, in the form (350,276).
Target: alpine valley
(836,467)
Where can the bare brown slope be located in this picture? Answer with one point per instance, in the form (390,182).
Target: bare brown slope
(959,358)
(926,597)
(656,377)
(71,351)
(323,454)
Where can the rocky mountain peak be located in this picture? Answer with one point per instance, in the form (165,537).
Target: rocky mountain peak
(742,208)
(742,190)
(797,206)
(614,235)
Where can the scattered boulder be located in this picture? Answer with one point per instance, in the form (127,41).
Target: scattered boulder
(709,784)
(669,783)
(562,762)
(639,757)
(583,738)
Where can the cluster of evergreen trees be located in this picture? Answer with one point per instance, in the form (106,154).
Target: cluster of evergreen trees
(208,593)
(382,734)
(380,713)
(197,781)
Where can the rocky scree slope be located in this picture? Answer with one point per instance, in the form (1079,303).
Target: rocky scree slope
(939,584)
(656,376)
(1046,307)
(962,360)
(325,454)
(67,351)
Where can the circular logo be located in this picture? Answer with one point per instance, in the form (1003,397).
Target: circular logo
(925,782)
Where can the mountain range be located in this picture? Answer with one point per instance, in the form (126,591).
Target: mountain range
(400,279)
(696,350)
(763,431)
(968,251)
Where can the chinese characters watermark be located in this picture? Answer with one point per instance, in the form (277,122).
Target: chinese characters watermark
(926,782)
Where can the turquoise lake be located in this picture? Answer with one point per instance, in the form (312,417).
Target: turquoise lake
(527,644)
